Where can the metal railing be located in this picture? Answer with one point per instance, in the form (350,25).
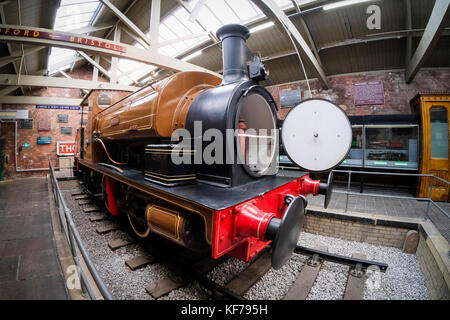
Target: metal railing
(76,245)
(429,200)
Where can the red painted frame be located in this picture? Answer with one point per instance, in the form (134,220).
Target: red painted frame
(240,230)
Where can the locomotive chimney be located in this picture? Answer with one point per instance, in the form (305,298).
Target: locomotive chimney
(234,52)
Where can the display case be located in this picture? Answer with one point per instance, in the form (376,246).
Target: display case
(391,146)
(355,156)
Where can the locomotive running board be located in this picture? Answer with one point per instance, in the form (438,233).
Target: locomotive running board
(349,261)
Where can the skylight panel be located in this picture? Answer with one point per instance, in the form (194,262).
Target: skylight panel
(58,55)
(222,10)
(82,19)
(72,14)
(168,51)
(284,4)
(244,9)
(180,46)
(208,20)
(72,2)
(165,33)
(183,16)
(77,9)
(176,26)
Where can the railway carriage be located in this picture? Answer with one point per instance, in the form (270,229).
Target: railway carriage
(193,157)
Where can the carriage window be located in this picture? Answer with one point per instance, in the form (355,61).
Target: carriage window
(393,146)
(355,156)
(438,132)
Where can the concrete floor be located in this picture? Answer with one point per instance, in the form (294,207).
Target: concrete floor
(29,265)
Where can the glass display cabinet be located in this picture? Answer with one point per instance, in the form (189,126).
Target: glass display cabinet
(391,146)
(355,156)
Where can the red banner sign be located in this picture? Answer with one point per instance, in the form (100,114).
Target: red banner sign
(30,33)
(65,148)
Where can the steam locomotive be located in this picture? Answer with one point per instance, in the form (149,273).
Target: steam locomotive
(193,157)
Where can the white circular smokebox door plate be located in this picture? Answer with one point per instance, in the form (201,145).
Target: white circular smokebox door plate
(317,135)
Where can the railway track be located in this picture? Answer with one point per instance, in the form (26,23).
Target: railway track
(189,269)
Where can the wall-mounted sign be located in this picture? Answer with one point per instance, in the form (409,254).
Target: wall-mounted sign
(57,107)
(44,140)
(65,148)
(365,93)
(290,98)
(63,118)
(26,145)
(104,99)
(32,33)
(26,124)
(44,125)
(14,114)
(65,130)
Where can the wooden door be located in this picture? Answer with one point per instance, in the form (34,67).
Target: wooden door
(436,115)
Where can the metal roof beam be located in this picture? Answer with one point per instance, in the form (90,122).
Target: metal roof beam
(135,38)
(408,14)
(8,90)
(8,46)
(89,29)
(272,10)
(131,52)
(17,55)
(435,26)
(211,34)
(39,100)
(307,31)
(155,15)
(95,64)
(2,3)
(126,21)
(58,82)
(63,63)
(118,21)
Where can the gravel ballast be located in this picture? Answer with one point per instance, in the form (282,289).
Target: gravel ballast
(402,281)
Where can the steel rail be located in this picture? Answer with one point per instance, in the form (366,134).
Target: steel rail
(352,262)
(73,236)
(210,284)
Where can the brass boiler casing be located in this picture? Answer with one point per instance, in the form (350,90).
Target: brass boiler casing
(165,222)
(155,111)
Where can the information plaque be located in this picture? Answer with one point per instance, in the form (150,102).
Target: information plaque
(366,93)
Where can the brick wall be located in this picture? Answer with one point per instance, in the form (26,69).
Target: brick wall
(397,93)
(355,231)
(36,156)
(435,282)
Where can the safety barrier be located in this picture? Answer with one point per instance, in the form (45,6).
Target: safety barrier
(430,201)
(76,245)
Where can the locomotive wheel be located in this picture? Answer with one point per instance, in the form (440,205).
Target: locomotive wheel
(136,217)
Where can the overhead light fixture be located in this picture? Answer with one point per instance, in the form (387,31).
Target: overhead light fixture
(192,55)
(342,4)
(262,27)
